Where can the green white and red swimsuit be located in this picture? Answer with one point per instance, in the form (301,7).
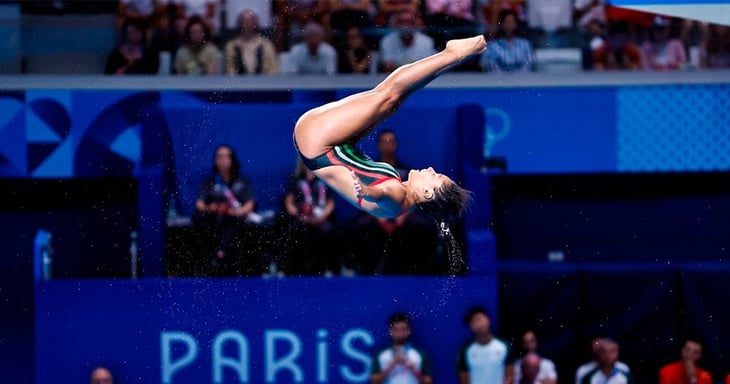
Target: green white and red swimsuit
(370,172)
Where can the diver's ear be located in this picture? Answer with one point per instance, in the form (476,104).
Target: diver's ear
(428,194)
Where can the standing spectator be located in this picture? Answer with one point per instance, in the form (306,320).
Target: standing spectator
(540,370)
(400,362)
(198,55)
(607,370)
(101,375)
(314,55)
(133,55)
(715,47)
(508,53)
(225,199)
(482,360)
(662,52)
(355,57)
(584,369)
(309,224)
(404,45)
(686,369)
(250,52)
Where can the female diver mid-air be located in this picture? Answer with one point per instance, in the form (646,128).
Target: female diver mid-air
(325,138)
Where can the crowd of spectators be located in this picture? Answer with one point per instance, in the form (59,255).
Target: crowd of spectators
(372,36)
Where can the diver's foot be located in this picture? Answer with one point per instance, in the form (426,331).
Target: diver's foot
(464,48)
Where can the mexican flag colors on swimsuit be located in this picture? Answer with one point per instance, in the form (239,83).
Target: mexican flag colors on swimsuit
(711,11)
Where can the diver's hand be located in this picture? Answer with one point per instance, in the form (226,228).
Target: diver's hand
(357,184)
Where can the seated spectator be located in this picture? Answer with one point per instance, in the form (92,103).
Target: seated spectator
(531,368)
(314,55)
(156,15)
(101,375)
(609,47)
(662,52)
(350,13)
(355,57)
(133,55)
(308,224)
(197,55)
(401,361)
(604,366)
(686,369)
(207,10)
(292,16)
(715,47)
(225,199)
(449,19)
(449,13)
(389,8)
(405,44)
(152,12)
(250,52)
(508,53)
(490,10)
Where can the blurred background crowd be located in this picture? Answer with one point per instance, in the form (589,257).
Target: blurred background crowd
(208,37)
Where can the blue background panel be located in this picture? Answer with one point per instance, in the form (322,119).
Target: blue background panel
(122,324)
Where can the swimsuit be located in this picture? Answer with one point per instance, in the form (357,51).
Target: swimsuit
(368,171)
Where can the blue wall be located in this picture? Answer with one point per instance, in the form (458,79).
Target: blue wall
(67,133)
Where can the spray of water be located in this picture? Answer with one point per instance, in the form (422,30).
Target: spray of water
(455,261)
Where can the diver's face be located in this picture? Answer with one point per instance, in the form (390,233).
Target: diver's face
(426,181)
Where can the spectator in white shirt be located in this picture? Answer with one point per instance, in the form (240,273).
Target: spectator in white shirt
(405,44)
(313,55)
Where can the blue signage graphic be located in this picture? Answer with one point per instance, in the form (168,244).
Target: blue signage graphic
(254,330)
